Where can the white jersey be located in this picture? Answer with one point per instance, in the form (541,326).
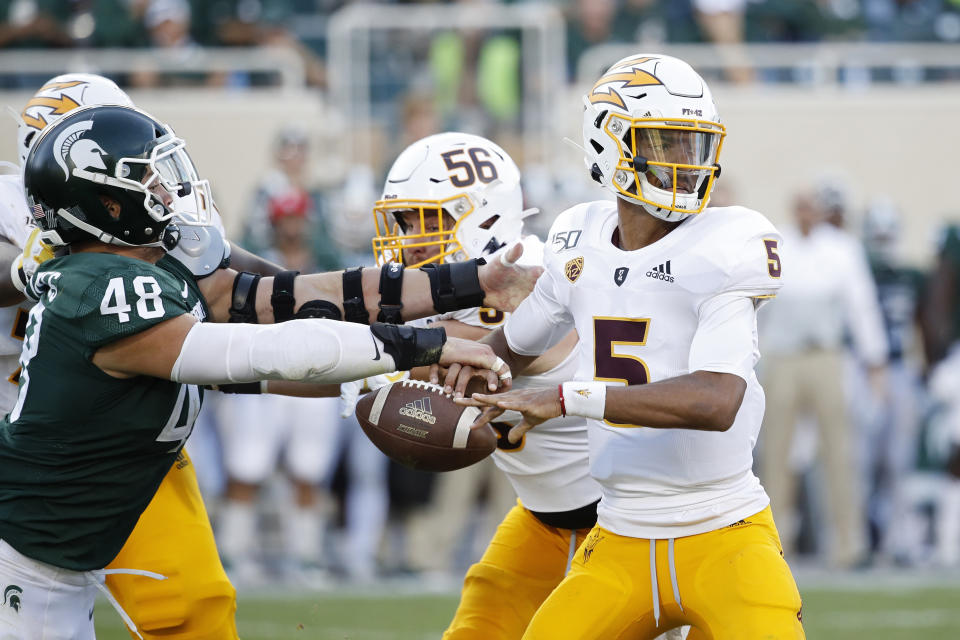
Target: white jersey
(549,468)
(15,227)
(652,314)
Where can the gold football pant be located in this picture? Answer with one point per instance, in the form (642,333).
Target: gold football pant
(523,563)
(173,537)
(732,583)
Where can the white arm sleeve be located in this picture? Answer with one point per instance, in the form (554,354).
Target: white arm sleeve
(726,337)
(309,350)
(540,321)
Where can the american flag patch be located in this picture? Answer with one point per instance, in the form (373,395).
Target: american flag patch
(38,212)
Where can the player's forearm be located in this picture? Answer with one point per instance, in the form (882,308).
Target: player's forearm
(701,400)
(243,260)
(498,342)
(420,295)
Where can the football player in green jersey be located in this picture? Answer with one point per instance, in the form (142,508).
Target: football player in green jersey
(116,351)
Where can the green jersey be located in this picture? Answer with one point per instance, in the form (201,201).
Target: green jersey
(82,452)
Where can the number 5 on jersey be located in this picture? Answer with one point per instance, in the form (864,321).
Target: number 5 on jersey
(610,366)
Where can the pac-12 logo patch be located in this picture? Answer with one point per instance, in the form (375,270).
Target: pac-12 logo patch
(573,268)
(620,275)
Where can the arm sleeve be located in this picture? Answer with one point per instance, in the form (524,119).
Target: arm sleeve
(308,350)
(726,337)
(541,320)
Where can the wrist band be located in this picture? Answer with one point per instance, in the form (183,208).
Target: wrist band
(455,285)
(587,399)
(563,406)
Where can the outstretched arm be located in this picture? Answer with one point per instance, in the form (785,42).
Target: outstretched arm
(702,400)
(502,284)
(310,350)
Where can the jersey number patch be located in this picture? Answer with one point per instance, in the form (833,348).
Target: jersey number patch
(149,304)
(610,366)
(774,268)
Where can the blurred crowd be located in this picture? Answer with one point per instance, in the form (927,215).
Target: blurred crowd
(185,26)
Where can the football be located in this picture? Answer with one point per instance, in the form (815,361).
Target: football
(419,426)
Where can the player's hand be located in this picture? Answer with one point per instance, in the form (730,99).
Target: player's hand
(536,406)
(506,284)
(36,251)
(466,359)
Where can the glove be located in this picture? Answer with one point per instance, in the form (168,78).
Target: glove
(350,391)
(36,251)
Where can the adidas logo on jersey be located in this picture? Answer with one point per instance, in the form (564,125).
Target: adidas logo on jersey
(419,410)
(661,272)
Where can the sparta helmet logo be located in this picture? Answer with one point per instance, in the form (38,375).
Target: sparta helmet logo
(82,153)
(11,596)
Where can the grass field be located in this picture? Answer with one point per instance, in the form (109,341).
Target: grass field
(885,607)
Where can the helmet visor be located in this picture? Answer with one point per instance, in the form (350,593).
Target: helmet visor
(677,158)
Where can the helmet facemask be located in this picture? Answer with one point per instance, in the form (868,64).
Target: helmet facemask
(169,167)
(439,221)
(166,168)
(666,165)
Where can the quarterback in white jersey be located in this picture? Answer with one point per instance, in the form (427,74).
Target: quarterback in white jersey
(663,293)
(450,197)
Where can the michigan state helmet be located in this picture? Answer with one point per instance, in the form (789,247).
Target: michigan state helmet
(466,176)
(652,135)
(114,152)
(58,97)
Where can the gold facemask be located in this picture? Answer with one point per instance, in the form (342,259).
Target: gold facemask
(392,243)
(677,156)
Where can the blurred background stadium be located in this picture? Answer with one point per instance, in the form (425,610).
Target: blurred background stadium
(837,111)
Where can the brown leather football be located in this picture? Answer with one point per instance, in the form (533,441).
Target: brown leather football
(419,426)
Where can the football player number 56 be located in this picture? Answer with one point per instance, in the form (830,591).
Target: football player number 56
(464,173)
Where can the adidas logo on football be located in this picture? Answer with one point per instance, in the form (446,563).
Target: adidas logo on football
(661,272)
(419,410)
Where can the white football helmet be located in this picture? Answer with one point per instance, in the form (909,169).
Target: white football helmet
(652,135)
(466,176)
(58,97)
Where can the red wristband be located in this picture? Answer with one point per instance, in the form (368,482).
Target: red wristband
(563,406)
